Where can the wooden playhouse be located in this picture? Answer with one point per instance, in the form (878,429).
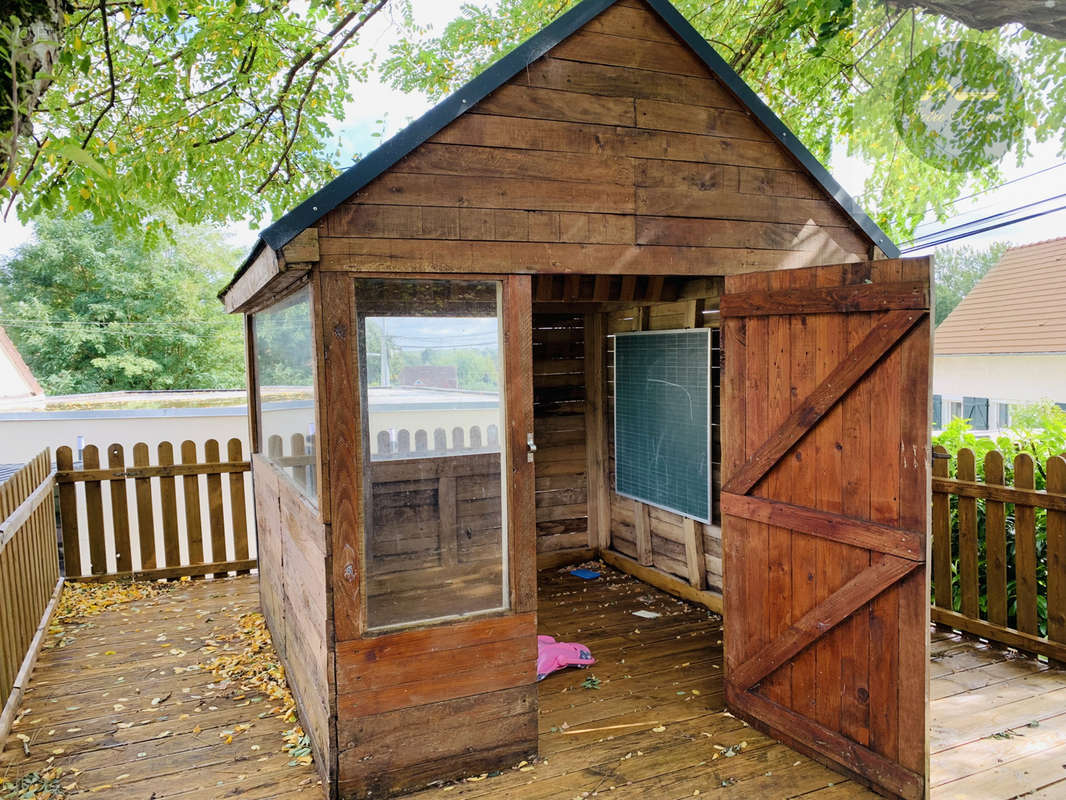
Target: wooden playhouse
(639,321)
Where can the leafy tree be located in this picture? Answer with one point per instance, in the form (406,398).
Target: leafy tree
(834,70)
(958,270)
(203,109)
(217,110)
(91,311)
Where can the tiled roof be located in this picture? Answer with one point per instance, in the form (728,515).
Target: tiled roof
(1018,307)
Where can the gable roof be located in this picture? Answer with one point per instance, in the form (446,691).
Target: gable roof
(16,379)
(1016,308)
(311,210)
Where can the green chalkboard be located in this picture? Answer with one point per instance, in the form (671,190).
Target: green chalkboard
(662,443)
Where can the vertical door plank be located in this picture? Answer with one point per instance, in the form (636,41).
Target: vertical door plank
(966,471)
(834,559)
(94,512)
(778,686)
(733,361)
(1024,548)
(883,612)
(995,546)
(193,523)
(215,516)
(120,515)
(168,501)
(756,599)
(855,465)
(68,514)
(916,357)
(237,502)
(803,478)
(145,513)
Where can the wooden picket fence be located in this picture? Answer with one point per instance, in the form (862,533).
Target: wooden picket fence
(29,577)
(1022,532)
(156,490)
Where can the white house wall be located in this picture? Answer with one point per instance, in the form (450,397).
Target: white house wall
(1013,379)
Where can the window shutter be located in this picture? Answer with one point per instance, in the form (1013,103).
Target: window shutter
(1004,415)
(938,411)
(976,410)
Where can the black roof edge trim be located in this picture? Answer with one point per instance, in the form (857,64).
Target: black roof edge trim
(747,96)
(451,108)
(308,212)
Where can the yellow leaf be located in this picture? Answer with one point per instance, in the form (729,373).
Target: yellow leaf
(112,147)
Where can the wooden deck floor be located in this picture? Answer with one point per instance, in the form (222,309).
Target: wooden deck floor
(120,705)
(659,684)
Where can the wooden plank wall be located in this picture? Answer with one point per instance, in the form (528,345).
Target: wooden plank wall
(649,535)
(435,703)
(559,397)
(295,597)
(617,152)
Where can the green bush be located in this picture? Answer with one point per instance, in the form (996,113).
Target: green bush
(1040,431)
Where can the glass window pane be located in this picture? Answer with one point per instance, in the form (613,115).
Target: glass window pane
(285,379)
(435,496)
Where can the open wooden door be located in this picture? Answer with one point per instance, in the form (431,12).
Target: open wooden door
(825,504)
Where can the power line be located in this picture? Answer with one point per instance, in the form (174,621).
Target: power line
(1020,178)
(968,234)
(982,220)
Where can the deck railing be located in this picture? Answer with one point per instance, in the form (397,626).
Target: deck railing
(161,520)
(999,549)
(29,576)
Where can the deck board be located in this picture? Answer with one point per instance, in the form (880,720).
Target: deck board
(663,672)
(84,695)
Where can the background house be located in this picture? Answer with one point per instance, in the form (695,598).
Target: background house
(1005,343)
(16,379)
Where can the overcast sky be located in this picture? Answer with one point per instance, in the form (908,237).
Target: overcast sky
(376,101)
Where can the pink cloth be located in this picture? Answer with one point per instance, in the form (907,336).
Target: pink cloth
(553,655)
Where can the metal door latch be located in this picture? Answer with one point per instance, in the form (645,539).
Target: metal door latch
(531,448)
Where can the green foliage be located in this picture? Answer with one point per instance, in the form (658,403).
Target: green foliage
(958,269)
(1038,430)
(214,110)
(92,311)
(829,68)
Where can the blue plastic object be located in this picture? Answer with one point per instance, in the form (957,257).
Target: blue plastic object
(587,574)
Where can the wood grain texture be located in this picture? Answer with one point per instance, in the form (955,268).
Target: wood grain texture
(616,152)
(344,420)
(824,674)
(518,393)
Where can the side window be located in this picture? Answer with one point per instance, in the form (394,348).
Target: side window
(284,376)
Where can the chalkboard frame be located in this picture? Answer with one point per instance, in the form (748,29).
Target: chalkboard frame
(706,332)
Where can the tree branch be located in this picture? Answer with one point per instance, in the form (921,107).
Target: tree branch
(110,76)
